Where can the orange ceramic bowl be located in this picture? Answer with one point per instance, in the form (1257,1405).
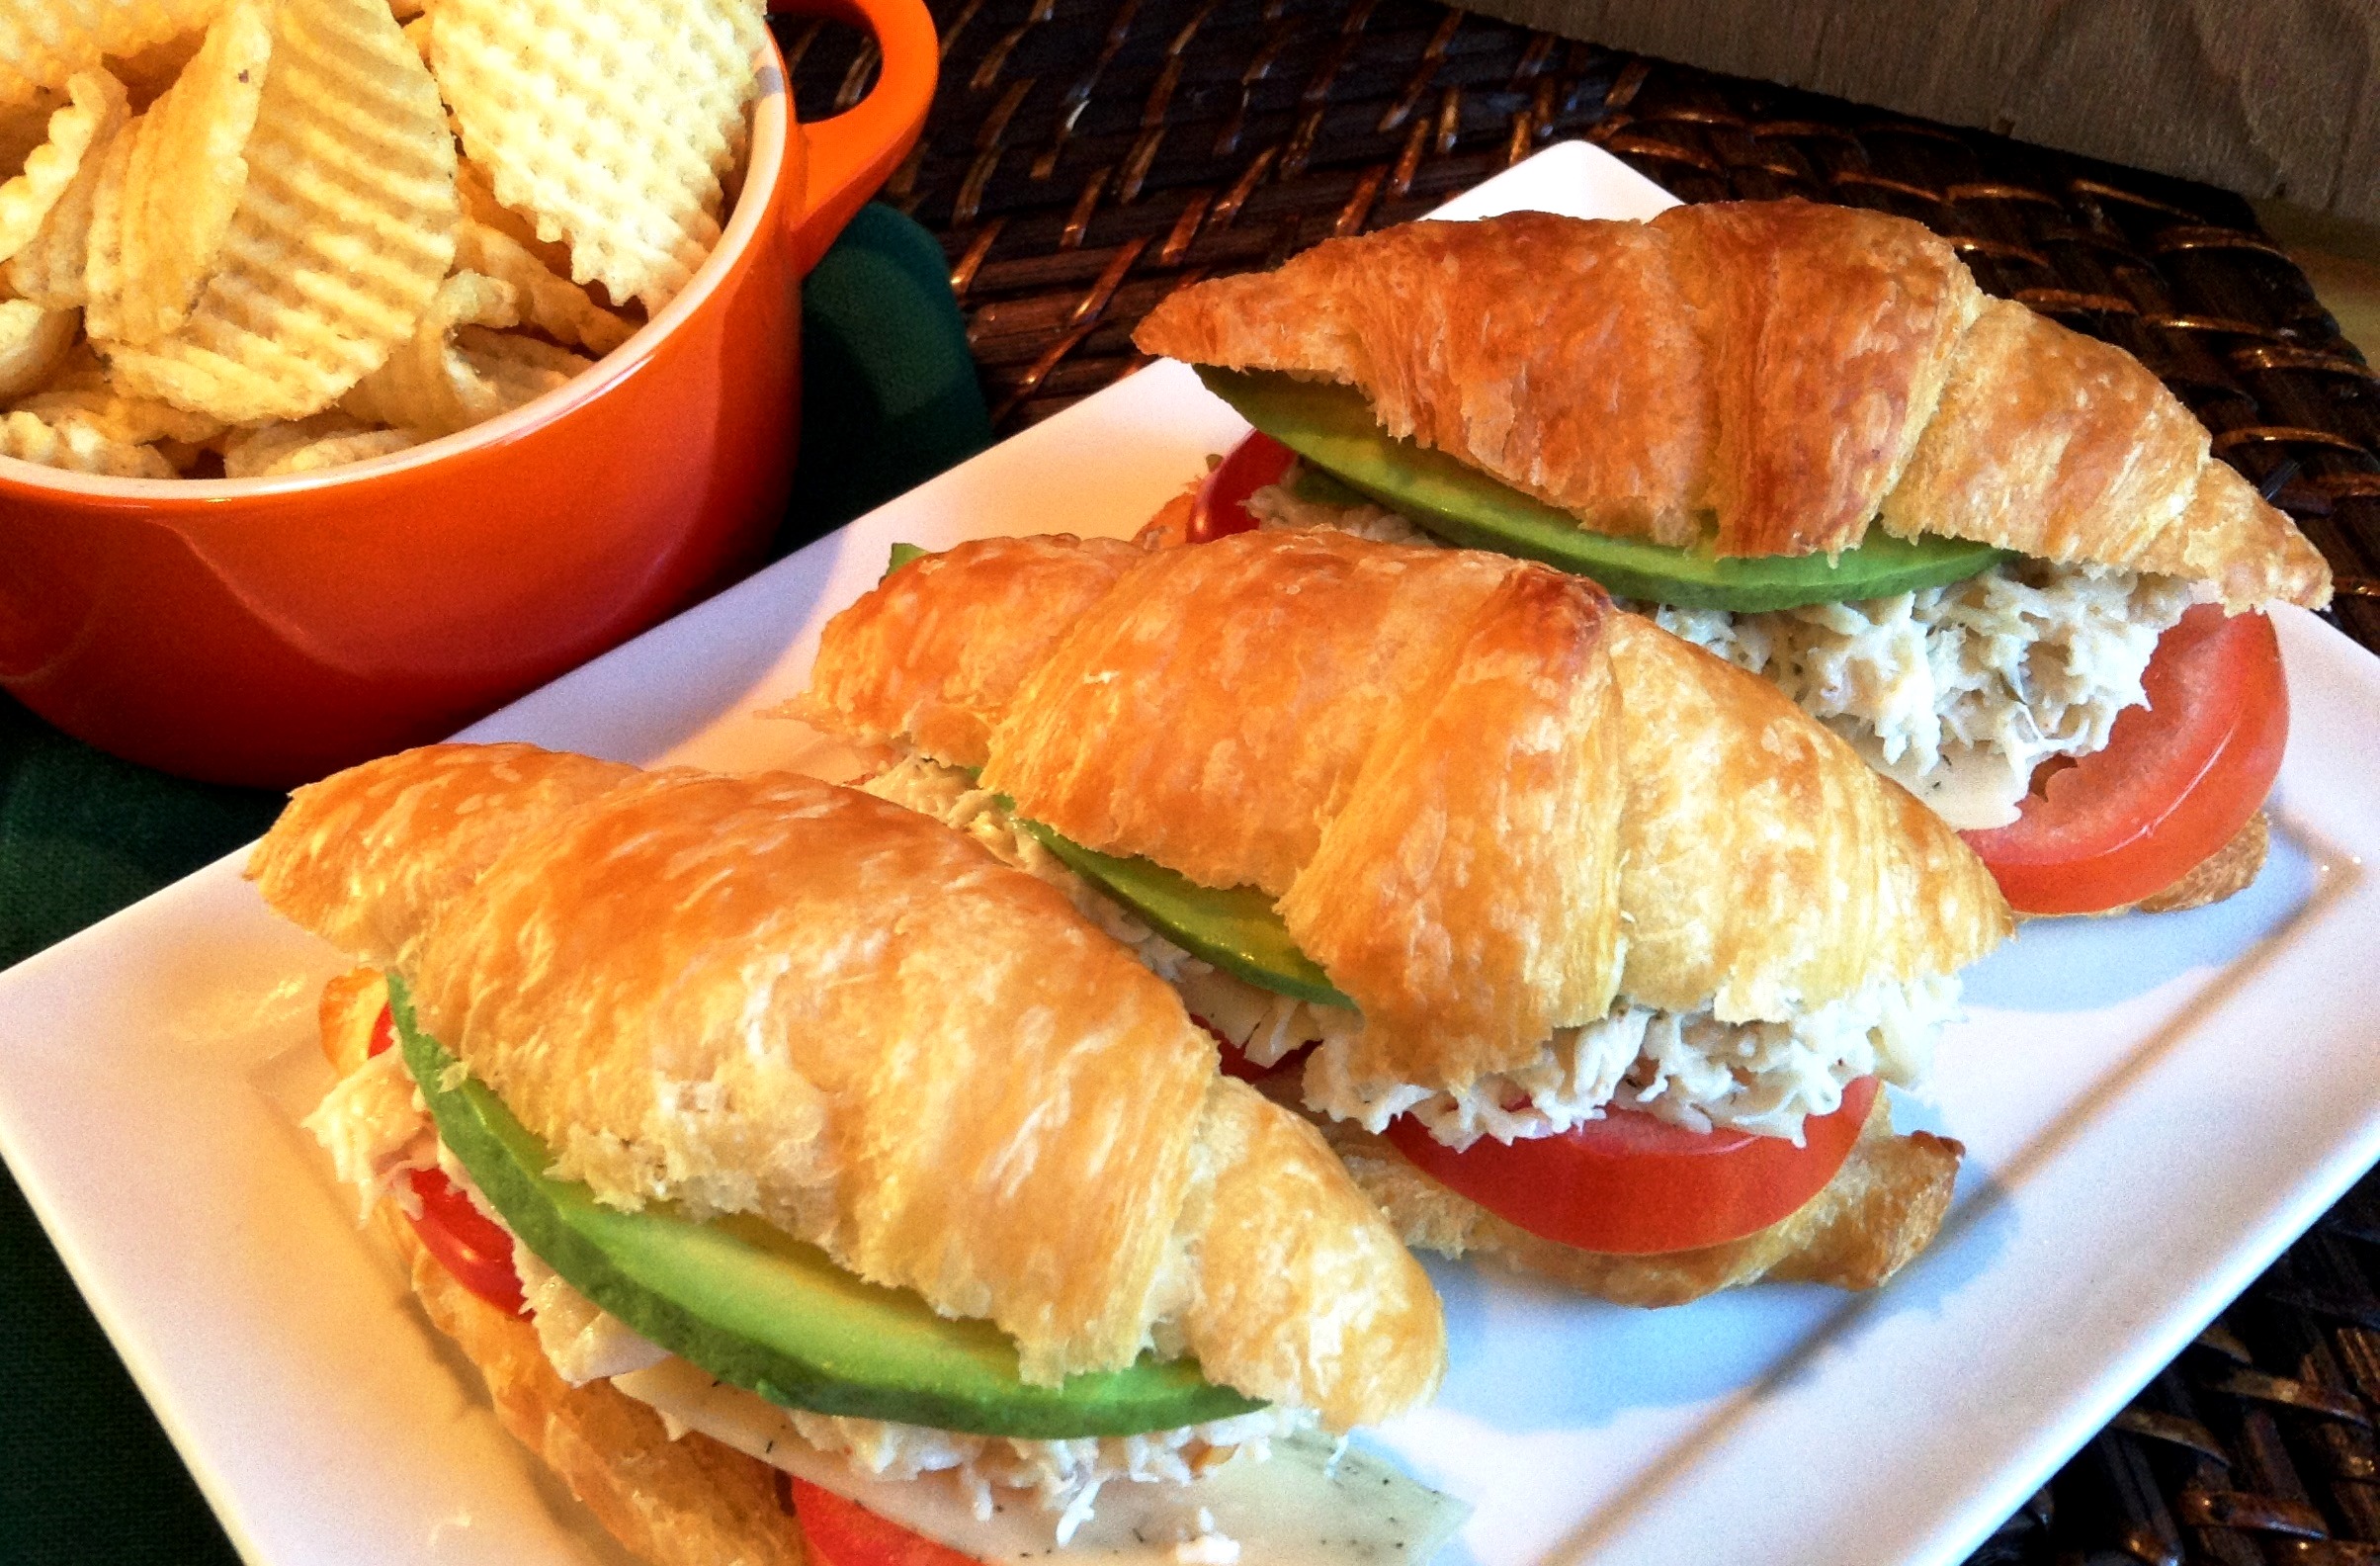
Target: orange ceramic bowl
(267,631)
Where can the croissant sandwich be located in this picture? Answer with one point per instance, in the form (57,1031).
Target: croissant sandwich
(1994,554)
(775,1150)
(1537,907)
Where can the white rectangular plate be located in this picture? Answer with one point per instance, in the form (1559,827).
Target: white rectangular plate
(2153,1107)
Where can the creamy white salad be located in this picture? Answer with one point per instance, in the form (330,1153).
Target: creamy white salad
(377,1130)
(1686,1068)
(1957,693)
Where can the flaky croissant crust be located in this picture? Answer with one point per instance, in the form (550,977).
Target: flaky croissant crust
(1779,374)
(1487,802)
(771,994)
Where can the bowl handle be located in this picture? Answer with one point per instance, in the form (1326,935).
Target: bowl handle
(857,151)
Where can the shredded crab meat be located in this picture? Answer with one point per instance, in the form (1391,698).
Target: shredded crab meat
(1957,693)
(377,1130)
(1689,1069)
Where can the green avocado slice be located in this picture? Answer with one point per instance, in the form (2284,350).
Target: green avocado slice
(1232,928)
(762,1311)
(1332,427)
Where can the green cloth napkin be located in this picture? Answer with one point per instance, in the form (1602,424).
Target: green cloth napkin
(889,399)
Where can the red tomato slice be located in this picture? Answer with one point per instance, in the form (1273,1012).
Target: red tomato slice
(464,1240)
(2178,779)
(1631,1184)
(1221,509)
(843,1532)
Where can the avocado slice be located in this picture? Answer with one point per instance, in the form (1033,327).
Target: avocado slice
(1232,928)
(759,1309)
(902,555)
(1332,427)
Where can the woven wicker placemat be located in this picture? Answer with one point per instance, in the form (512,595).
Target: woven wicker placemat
(1085,159)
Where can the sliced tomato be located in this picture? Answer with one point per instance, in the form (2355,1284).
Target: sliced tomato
(842,1533)
(1632,1185)
(464,1240)
(1220,507)
(2178,779)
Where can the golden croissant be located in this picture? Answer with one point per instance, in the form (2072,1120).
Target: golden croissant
(1782,372)
(770,999)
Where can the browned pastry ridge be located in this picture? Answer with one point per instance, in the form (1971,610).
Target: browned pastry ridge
(1777,373)
(774,995)
(1487,803)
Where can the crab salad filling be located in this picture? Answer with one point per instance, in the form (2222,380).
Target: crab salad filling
(1689,1069)
(1958,693)
(377,1130)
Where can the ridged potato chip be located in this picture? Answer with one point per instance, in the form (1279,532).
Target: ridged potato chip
(51,269)
(560,103)
(427,385)
(34,343)
(479,205)
(250,451)
(520,360)
(554,305)
(77,135)
(78,391)
(42,43)
(522,369)
(337,451)
(340,241)
(77,447)
(161,216)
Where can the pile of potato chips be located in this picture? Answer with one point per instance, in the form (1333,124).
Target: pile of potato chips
(244,237)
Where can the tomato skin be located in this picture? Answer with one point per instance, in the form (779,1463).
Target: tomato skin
(2180,777)
(1630,1184)
(465,1241)
(843,1532)
(1220,507)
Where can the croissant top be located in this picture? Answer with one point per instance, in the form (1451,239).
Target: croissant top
(774,995)
(1487,802)
(1775,375)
